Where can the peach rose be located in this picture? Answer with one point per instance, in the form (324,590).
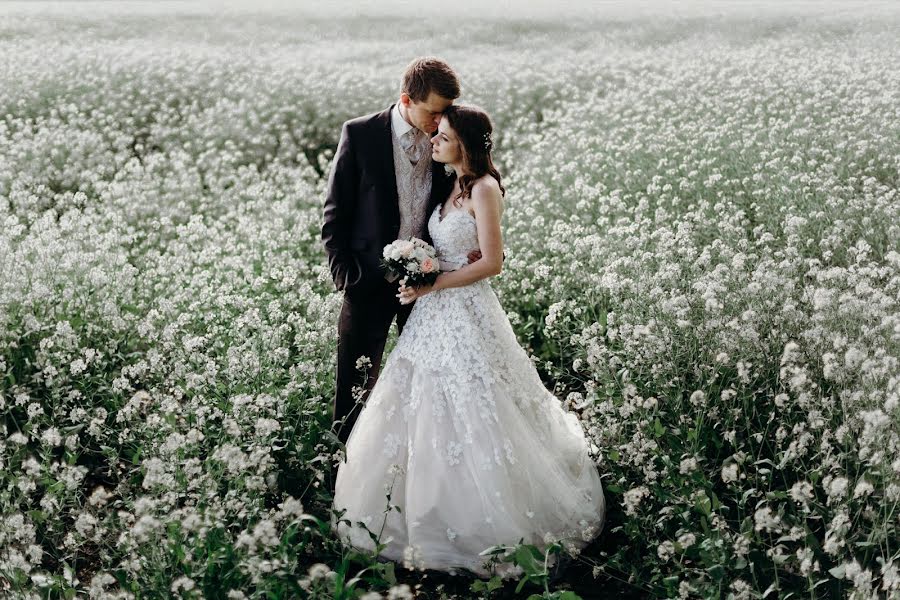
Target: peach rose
(428,265)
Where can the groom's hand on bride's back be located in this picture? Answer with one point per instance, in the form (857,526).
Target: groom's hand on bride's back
(476,255)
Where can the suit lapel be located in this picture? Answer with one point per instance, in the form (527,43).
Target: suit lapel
(385,151)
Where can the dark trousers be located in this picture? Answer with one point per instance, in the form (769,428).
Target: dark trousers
(363,328)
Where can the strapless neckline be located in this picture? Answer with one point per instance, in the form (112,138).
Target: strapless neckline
(445,217)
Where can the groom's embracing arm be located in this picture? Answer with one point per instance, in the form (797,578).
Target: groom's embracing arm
(340,198)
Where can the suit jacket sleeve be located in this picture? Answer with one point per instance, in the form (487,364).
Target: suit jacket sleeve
(340,202)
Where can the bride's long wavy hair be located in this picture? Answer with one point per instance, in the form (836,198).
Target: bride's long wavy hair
(473,129)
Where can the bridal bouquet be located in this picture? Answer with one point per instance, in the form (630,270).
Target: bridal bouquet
(413,259)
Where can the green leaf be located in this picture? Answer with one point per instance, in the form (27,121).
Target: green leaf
(837,572)
(658,429)
(495,583)
(716,572)
(569,595)
(389,574)
(703,504)
(522,583)
(339,582)
(37,516)
(334,438)
(525,559)
(495,549)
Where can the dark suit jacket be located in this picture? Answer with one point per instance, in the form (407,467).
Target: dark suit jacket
(362,213)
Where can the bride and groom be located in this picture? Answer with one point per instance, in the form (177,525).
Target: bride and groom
(458,426)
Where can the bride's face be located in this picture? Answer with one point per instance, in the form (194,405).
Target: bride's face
(445,145)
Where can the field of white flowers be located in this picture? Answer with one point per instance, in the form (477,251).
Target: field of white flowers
(703,241)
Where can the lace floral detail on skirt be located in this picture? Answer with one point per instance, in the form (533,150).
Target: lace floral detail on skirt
(486,453)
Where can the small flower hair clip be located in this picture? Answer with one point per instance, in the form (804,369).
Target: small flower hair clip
(488,143)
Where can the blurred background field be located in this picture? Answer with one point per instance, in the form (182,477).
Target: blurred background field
(702,227)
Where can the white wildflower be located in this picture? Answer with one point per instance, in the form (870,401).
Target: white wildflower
(729,472)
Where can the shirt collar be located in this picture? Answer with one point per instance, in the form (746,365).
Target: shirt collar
(398,123)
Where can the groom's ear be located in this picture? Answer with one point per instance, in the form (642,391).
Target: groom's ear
(405,99)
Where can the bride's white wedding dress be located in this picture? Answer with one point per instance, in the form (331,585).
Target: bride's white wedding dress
(478,451)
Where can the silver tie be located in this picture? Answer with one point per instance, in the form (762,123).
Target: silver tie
(412,145)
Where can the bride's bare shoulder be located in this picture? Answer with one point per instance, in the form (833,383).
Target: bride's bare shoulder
(486,184)
(486,191)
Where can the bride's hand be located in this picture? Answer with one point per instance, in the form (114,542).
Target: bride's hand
(410,294)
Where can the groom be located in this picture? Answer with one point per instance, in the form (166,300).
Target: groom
(383,186)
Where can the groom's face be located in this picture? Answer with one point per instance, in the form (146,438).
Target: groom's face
(426,115)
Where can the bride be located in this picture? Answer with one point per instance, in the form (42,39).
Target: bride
(459,428)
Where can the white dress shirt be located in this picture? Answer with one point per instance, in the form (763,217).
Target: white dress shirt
(398,123)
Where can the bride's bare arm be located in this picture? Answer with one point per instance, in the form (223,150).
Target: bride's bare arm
(487,201)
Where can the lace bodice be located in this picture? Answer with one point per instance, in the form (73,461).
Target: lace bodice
(454,237)
(464,333)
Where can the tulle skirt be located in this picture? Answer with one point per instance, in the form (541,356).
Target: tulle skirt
(473,449)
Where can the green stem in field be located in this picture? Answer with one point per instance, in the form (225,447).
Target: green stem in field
(546,573)
(775,567)
(387,509)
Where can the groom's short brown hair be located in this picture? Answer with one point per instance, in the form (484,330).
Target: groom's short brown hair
(429,74)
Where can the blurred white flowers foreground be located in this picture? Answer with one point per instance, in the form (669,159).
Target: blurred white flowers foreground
(702,235)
